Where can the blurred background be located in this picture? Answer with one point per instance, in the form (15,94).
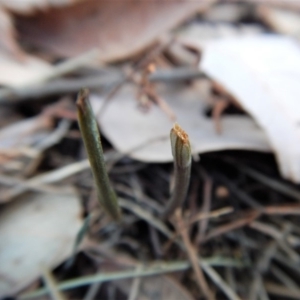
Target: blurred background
(228,72)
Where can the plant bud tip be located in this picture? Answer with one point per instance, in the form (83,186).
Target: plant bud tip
(181,133)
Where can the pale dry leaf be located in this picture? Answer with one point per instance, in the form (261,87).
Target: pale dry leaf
(36,231)
(280,20)
(201,33)
(227,12)
(286,4)
(16,73)
(263,74)
(25,133)
(128,128)
(30,6)
(119,29)
(8,43)
(157,288)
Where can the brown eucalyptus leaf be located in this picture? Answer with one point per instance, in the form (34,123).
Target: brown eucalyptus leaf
(119,29)
(29,6)
(8,41)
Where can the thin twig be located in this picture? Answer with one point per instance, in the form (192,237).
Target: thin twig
(211,215)
(276,185)
(39,182)
(143,214)
(92,291)
(284,278)
(67,66)
(134,291)
(214,214)
(278,236)
(142,63)
(99,82)
(230,226)
(191,251)
(282,291)
(52,287)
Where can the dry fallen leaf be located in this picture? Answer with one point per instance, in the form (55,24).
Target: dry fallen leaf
(203,32)
(29,6)
(25,133)
(226,12)
(280,20)
(157,288)
(117,28)
(36,231)
(263,74)
(16,73)
(286,4)
(128,128)
(8,42)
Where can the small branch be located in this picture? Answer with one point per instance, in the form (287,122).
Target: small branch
(98,81)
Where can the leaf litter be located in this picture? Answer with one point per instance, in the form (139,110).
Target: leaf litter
(263,73)
(36,231)
(62,26)
(128,128)
(239,226)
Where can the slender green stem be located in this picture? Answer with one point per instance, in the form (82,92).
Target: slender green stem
(154,269)
(91,137)
(181,151)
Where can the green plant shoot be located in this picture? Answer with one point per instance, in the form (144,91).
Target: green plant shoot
(91,137)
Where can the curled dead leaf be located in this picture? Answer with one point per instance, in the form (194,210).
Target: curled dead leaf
(119,29)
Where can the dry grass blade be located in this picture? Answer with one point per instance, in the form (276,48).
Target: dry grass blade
(203,224)
(91,137)
(52,286)
(282,291)
(217,279)
(191,251)
(274,184)
(212,214)
(284,278)
(287,209)
(134,290)
(150,270)
(201,216)
(230,226)
(280,237)
(143,214)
